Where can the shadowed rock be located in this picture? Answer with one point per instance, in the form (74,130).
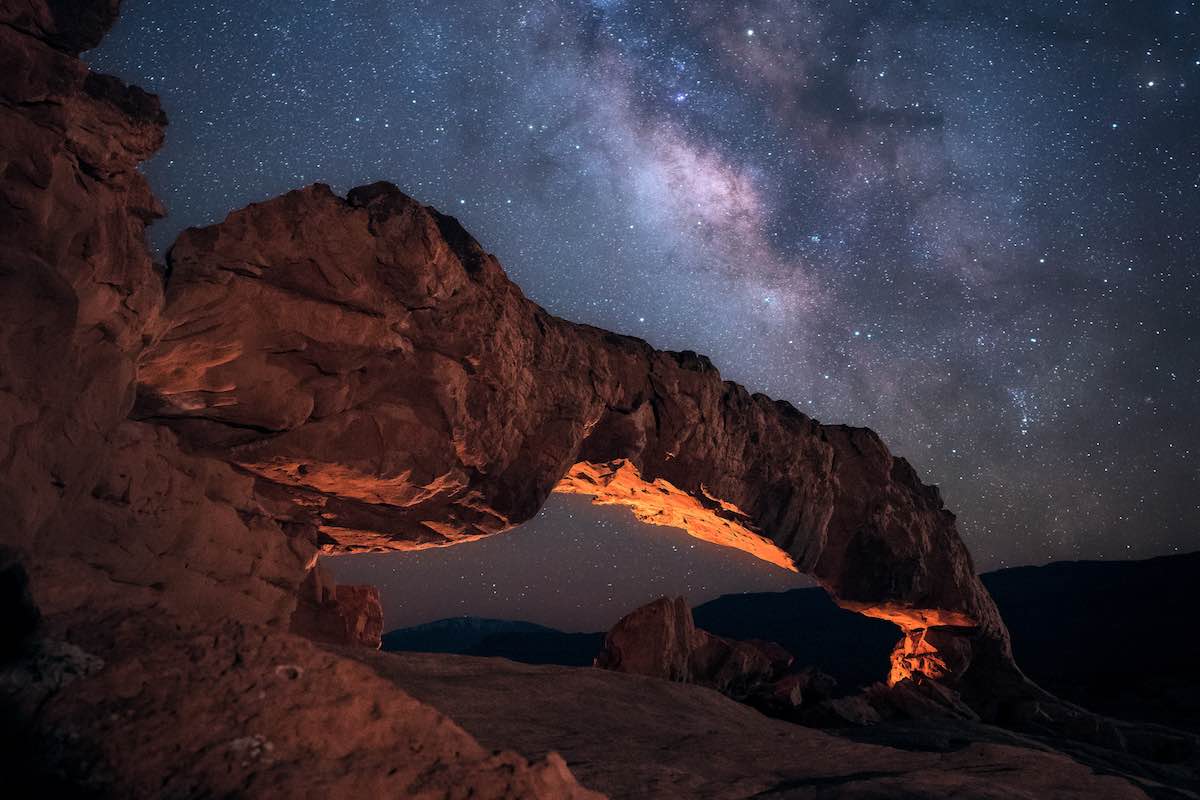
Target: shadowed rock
(161,665)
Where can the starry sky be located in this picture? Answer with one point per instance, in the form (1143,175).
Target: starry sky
(972,226)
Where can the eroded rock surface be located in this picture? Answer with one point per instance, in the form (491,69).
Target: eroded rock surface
(247,712)
(77,287)
(146,589)
(402,393)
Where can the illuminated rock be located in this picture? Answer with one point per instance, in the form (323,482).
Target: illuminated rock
(390,387)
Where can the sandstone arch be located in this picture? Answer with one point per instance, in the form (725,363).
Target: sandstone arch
(301,342)
(390,388)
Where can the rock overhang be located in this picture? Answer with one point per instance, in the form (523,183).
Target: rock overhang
(402,393)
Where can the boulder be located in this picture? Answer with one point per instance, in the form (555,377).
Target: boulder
(852,711)
(920,698)
(661,640)
(657,640)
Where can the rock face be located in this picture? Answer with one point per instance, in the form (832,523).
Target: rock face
(661,640)
(347,615)
(77,287)
(656,640)
(244,711)
(147,589)
(403,394)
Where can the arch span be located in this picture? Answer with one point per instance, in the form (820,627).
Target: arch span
(390,388)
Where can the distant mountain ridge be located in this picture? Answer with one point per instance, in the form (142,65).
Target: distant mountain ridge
(454,634)
(515,640)
(1117,637)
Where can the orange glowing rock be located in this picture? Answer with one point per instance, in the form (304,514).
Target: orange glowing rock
(661,503)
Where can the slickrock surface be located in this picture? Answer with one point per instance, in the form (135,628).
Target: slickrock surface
(402,393)
(238,711)
(636,737)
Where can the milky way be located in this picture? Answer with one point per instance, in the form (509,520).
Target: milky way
(971,226)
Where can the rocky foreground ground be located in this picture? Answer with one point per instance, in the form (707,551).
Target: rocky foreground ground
(636,737)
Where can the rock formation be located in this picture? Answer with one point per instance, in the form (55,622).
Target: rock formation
(338,374)
(645,738)
(402,393)
(147,590)
(661,640)
(338,614)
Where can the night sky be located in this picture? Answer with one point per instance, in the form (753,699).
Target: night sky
(971,226)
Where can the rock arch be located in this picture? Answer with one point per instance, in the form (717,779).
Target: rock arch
(390,388)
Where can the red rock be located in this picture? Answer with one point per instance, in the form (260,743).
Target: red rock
(243,711)
(657,639)
(328,612)
(403,394)
(77,287)
(164,581)
(70,27)
(852,711)
(643,738)
(661,640)
(920,698)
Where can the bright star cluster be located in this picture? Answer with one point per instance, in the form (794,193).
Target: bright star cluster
(971,226)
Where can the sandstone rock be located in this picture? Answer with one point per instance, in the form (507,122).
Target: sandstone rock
(347,615)
(660,640)
(77,287)
(403,394)
(165,532)
(242,711)
(163,578)
(786,697)
(920,698)
(657,640)
(839,712)
(641,738)
(70,27)
(737,669)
